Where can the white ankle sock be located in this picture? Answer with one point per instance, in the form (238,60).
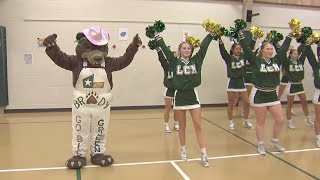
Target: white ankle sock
(203,151)
(183,148)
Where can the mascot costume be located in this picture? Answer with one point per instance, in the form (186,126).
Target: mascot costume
(92,81)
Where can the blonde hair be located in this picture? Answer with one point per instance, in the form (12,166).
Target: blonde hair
(263,45)
(180,46)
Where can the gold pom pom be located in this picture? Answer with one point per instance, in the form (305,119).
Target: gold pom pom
(315,38)
(209,25)
(195,42)
(218,30)
(295,25)
(257,32)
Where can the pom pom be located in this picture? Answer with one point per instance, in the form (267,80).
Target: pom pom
(218,31)
(209,25)
(233,32)
(195,42)
(314,38)
(274,37)
(295,25)
(152,44)
(159,26)
(257,32)
(150,31)
(240,24)
(306,33)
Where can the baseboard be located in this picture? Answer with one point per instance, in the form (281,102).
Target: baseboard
(114,108)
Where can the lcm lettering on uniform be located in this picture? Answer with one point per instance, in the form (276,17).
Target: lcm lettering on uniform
(186,69)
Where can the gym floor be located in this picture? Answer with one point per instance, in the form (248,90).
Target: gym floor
(36,146)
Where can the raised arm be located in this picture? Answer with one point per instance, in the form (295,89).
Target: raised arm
(116,64)
(302,53)
(224,53)
(247,52)
(167,52)
(162,59)
(312,58)
(253,43)
(200,55)
(282,52)
(57,56)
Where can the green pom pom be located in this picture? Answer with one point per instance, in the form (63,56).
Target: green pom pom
(232,33)
(306,32)
(159,26)
(152,44)
(240,24)
(150,30)
(227,32)
(279,37)
(274,37)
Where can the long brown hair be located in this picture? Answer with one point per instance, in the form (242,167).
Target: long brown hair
(291,52)
(232,47)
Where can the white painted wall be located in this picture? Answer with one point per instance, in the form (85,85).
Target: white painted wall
(44,85)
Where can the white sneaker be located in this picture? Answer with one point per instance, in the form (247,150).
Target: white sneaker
(231,125)
(205,162)
(318,143)
(261,149)
(309,122)
(167,129)
(291,126)
(184,155)
(247,123)
(277,147)
(176,127)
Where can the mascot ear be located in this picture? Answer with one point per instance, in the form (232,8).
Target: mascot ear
(79,36)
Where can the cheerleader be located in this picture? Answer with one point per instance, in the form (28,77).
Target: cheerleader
(293,68)
(186,77)
(236,88)
(316,99)
(266,78)
(169,91)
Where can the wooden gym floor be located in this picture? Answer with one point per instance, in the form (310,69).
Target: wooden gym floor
(36,145)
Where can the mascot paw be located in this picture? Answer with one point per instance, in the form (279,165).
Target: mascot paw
(102,160)
(137,41)
(50,41)
(76,162)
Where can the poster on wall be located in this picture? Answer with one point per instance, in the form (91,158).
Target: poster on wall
(123,34)
(185,33)
(40,42)
(27,58)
